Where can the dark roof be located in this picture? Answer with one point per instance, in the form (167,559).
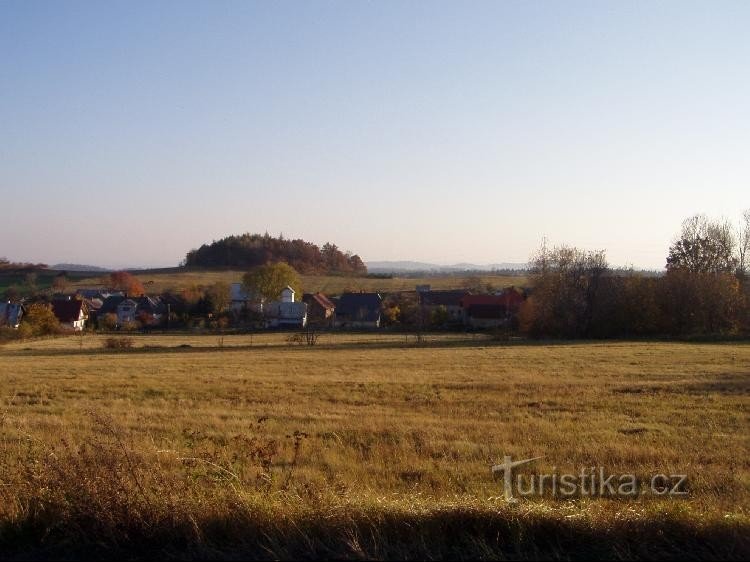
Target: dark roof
(68,310)
(442,298)
(489,311)
(110,304)
(319,298)
(359,306)
(151,305)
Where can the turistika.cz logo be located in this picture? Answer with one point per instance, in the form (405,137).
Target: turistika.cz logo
(588,482)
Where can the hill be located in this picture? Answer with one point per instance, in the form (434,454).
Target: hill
(252,250)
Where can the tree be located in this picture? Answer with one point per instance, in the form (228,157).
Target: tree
(703,246)
(700,293)
(60,283)
(30,283)
(218,297)
(567,283)
(267,281)
(40,320)
(124,281)
(743,244)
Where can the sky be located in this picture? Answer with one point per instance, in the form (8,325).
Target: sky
(131,132)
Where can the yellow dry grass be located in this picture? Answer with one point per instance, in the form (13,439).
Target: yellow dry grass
(370,428)
(329,284)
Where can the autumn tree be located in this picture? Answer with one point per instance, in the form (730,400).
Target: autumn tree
(267,281)
(218,297)
(701,293)
(126,282)
(567,281)
(39,320)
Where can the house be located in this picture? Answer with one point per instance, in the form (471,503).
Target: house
(10,314)
(71,313)
(146,310)
(449,300)
(491,311)
(512,298)
(320,309)
(358,310)
(243,301)
(127,312)
(286,313)
(101,294)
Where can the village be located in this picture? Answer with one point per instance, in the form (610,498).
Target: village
(112,309)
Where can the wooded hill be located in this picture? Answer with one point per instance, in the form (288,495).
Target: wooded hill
(251,250)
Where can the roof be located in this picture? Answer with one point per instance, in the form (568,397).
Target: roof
(489,311)
(319,298)
(143,304)
(93,304)
(68,310)
(512,298)
(110,304)
(471,300)
(359,306)
(442,298)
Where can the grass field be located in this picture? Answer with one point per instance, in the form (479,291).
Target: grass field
(158,281)
(367,447)
(176,280)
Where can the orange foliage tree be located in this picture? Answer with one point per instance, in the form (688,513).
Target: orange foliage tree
(124,281)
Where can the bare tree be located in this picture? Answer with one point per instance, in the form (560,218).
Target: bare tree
(743,243)
(703,246)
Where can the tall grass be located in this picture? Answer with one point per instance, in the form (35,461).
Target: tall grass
(369,452)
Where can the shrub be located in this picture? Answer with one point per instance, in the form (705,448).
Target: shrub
(118,343)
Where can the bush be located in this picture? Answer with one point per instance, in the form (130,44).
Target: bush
(39,321)
(118,343)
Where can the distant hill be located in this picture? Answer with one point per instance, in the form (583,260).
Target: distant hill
(77,267)
(251,250)
(413,266)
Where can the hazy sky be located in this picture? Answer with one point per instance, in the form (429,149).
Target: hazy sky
(131,132)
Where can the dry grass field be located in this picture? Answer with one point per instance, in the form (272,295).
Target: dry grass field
(366,447)
(158,282)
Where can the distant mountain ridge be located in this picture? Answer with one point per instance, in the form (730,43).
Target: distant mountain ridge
(77,267)
(396,266)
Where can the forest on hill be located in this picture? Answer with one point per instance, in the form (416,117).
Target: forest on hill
(251,250)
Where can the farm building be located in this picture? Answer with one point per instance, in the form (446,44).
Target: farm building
(358,310)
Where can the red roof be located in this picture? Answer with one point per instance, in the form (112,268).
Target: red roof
(471,300)
(321,299)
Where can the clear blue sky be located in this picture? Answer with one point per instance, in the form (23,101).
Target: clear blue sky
(131,132)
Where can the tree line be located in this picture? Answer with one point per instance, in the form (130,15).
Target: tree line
(253,250)
(705,290)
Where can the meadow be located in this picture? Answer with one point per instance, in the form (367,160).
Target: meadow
(367,447)
(158,281)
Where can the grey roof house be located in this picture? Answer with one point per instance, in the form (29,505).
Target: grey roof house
(358,310)
(10,314)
